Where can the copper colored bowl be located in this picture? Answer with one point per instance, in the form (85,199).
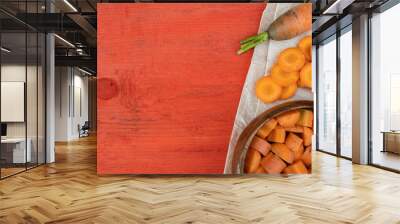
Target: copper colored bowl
(240,151)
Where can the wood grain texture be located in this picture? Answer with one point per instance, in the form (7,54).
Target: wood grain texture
(70,191)
(169,85)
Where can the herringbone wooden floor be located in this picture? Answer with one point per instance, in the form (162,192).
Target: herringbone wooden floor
(69,191)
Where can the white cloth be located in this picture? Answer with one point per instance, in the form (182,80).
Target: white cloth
(264,57)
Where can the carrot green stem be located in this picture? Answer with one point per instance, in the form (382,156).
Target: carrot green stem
(244,48)
(252,41)
(248,39)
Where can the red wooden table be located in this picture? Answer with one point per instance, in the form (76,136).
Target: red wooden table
(169,83)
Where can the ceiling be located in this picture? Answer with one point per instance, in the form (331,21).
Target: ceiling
(329,16)
(75,23)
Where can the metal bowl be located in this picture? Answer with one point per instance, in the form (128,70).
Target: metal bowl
(240,150)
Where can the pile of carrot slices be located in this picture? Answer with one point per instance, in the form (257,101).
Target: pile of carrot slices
(282,145)
(291,71)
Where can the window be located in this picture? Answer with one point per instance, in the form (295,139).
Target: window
(385,89)
(346,74)
(22,66)
(326,100)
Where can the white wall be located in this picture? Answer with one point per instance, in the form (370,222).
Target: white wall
(79,117)
(61,103)
(34,125)
(70,83)
(16,72)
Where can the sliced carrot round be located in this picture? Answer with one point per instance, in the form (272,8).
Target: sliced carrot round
(289,119)
(260,169)
(253,160)
(277,135)
(305,46)
(267,128)
(283,152)
(296,168)
(291,59)
(289,91)
(283,78)
(298,152)
(306,76)
(306,157)
(267,90)
(273,164)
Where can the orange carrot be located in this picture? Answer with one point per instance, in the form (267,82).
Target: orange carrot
(296,168)
(305,46)
(291,60)
(282,78)
(267,90)
(295,129)
(306,76)
(306,157)
(298,152)
(292,23)
(283,152)
(306,118)
(273,164)
(293,141)
(260,169)
(277,135)
(266,129)
(288,25)
(260,145)
(307,136)
(289,91)
(252,162)
(288,119)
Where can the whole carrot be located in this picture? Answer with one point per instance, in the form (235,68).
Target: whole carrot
(287,26)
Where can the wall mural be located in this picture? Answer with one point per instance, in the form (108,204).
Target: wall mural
(204,88)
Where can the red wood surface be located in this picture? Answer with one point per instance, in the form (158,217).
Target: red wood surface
(169,83)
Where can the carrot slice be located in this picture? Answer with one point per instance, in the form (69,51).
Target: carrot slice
(260,145)
(266,129)
(307,136)
(289,91)
(293,141)
(295,129)
(291,59)
(252,161)
(260,169)
(277,135)
(306,157)
(267,90)
(273,164)
(305,46)
(296,168)
(283,78)
(289,119)
(306,118)
(306,76)
(283,152)
(298,152)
